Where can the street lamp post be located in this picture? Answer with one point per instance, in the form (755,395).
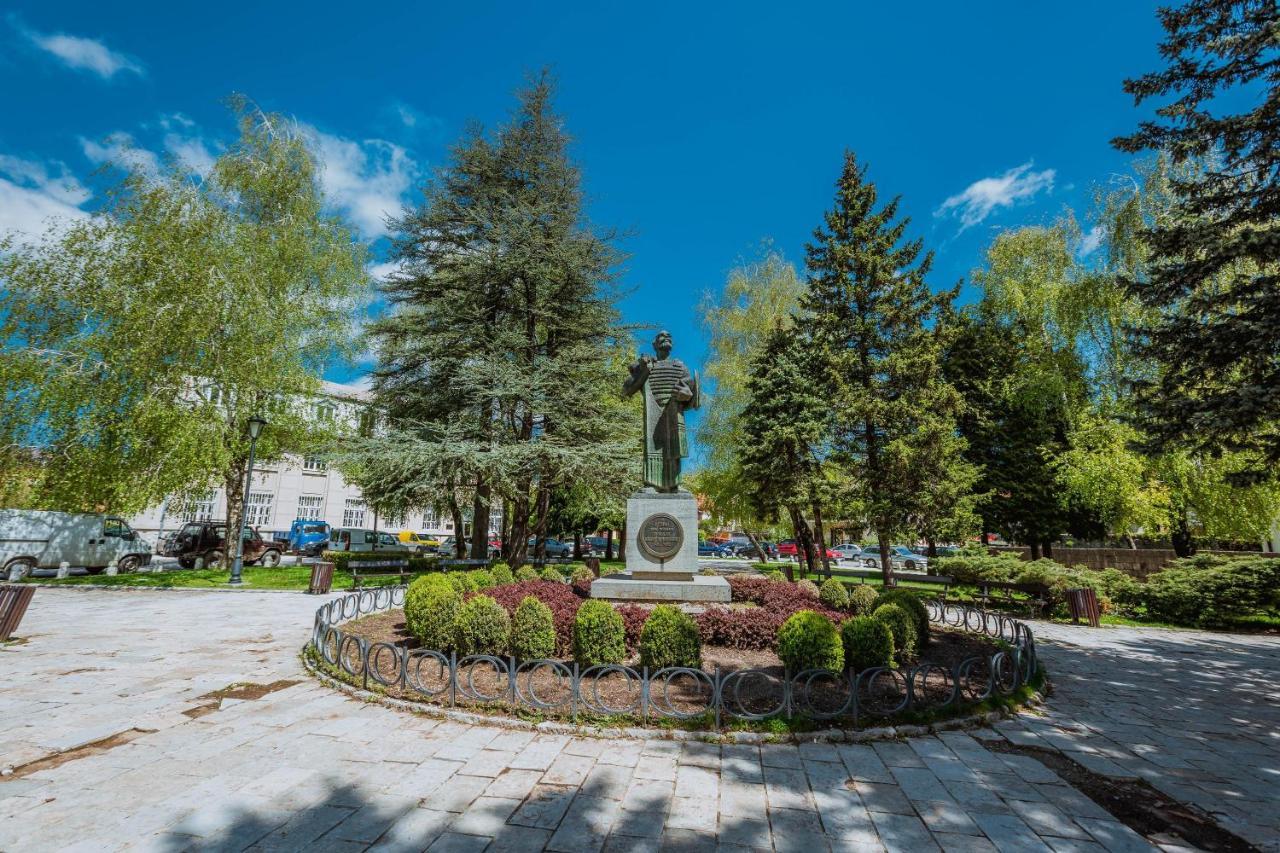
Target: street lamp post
(256,423)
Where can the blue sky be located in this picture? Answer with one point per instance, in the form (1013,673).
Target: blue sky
(702,129)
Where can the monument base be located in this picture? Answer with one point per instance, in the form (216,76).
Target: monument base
(624,586)
(681,509)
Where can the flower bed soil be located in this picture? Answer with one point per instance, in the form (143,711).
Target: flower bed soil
(757,693)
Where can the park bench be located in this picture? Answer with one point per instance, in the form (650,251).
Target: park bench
(361,569)
(463,565)
(943,581)
(1001,592)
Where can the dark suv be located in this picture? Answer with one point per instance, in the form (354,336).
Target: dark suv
(207,541)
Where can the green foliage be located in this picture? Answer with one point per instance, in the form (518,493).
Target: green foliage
(133,342)
(1211,591)
(581,573)
(898,620)
(809,640)
(342,560)
(461,582)
(482,627)
(670,638)
(868,643)
(481,578)
(599,634)
(501,573)
(551,573)
(980,567)
(776,575)
(862,599)
(533,630)
(915,608)
(431,606)
(833,594)
(526,573)
(808,587)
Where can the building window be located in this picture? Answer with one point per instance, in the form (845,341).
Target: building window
(430,520)
(353,514)
(258,509)
(314,463)
(311,507)
(199,508)
(325,412)
(368,421)
(393,519)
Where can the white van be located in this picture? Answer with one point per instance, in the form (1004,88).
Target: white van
(35,538)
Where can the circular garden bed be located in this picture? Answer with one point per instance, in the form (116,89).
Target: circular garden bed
(781,656)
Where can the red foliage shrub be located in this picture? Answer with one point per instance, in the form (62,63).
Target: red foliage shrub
(633,618)
(559,597)
(757,627)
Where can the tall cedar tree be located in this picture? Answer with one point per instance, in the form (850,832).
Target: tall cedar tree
(1214,283)
(783,427)
(496,365)
(872,315)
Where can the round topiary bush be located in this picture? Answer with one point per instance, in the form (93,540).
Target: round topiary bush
(526,573)
(482,627)
(599,634)
(833,594)
(808,587)
(533,630)
(461,582)
(670,638)
(915,608)
(862,600)
(502,574)
(868,643)
(581,573)
(901,624)
(431,606)
(550,574)
(809,640)
(481,578)
(775,575)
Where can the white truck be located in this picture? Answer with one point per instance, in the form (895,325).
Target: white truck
(33,538)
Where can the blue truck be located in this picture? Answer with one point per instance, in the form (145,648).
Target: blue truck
(306,536)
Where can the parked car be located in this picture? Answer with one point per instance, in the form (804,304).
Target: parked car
(445,546)
(424,542)
(358,539)
(552,547)
(597,544)
(44,539)
(206,542)
(305,536)
(749,551)
(787,548)
(904,558)
(849,551)
(713,549)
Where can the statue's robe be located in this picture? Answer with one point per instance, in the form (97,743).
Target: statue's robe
(664,429)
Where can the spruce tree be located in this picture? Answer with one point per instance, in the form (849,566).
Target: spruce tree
(873,319)
(1213,289)
(498,361)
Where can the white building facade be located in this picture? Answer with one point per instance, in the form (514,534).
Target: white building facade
(305,487)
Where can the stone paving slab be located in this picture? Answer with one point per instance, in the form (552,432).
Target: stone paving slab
(1195,714)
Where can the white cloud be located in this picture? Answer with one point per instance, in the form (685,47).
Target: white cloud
(981,198)
(367,180)
(84,54)
(34,195)
(383,270)
(1091,241)
(120,149)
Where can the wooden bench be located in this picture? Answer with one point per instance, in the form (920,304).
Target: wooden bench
(934,580)
(463,565)
(361,569)
(1002,592)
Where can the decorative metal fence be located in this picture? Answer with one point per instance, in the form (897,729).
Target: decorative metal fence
(561,688)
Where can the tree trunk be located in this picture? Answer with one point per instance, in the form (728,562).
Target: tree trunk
(233,485)
(608,544)
(755,543)
(1048,549)
(886,564)
(459,527)
(518,548)
(622,543)
(577,544)
(480,522)
(505,535)
(1034,544)
(932,550)
(1183,542)
(821,538)
(1133,546)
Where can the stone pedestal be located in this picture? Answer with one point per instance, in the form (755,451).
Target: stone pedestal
(662,554)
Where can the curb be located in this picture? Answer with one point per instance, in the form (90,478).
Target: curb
(973,721)
(184,589)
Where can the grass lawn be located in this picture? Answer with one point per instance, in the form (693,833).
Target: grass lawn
(255,577)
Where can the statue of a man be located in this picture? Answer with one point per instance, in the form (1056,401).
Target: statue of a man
(669,389)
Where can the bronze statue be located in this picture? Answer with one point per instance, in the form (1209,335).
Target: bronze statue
(669,390)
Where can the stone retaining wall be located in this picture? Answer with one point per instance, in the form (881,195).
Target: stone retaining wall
(1138,562)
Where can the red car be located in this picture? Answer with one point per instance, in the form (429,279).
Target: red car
(787,548)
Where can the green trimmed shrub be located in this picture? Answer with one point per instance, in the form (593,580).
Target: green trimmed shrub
(581,573)
(915,608)
(969,569)
(481,578)
(809,640)
(670,638)
(551,574)
(900,624)
(808,586)
(431,606)
(775,575)
(533,630)
(833,594)
(526,573)
(460,582)
(502,574)
(708,571)
(868,643)
(862,599)
(1212,590)
(483,627)
(599,634)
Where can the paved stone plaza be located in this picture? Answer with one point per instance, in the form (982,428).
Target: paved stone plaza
(305,768)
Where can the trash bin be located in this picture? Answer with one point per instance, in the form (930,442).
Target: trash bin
(321,578)
(1083,604)
(593,563)
(13,604)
